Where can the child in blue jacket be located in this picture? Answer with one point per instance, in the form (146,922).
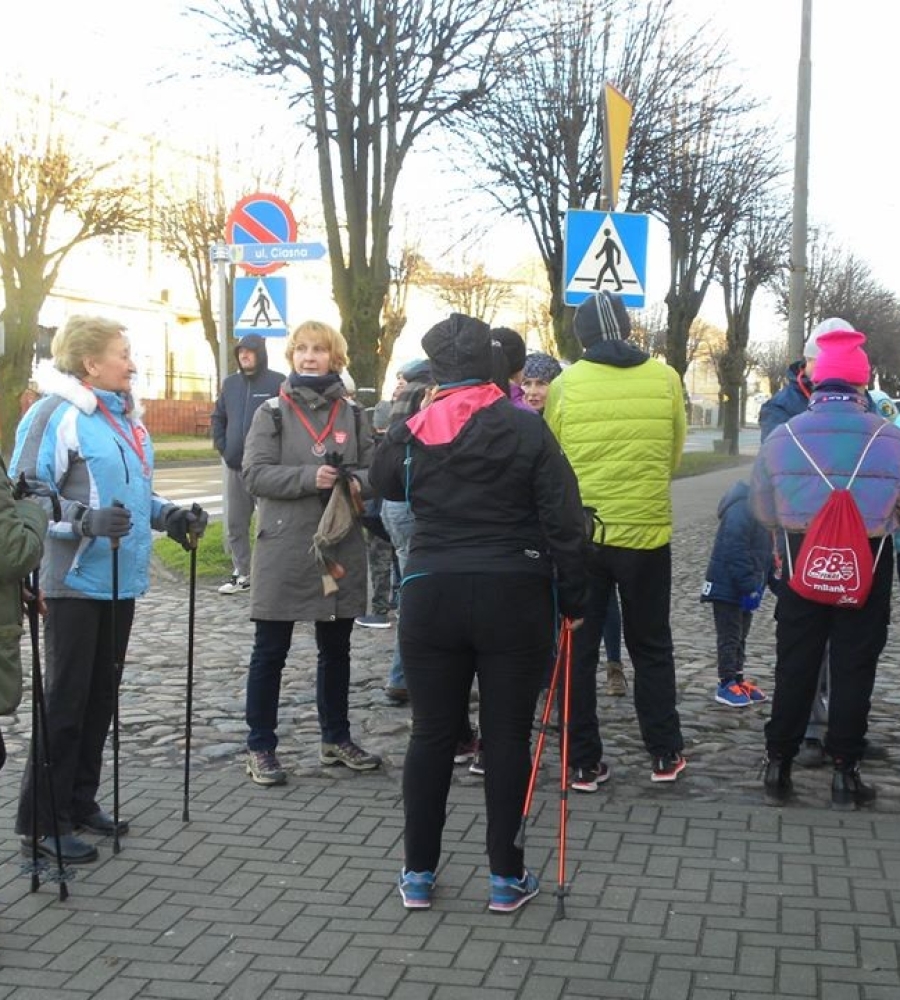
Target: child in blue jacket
(739,568)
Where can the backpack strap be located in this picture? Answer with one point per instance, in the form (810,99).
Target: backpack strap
(856,468)
(831,486)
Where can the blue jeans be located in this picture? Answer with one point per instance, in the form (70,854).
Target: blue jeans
(612,628)
(399,522)
(270,649)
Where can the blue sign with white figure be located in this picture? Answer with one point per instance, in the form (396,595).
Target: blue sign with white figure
(608,251)
(260,306)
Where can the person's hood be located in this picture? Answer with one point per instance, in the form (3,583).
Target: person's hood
(618,353)
(50,381)
(470,427)
(740,491)
(256,343)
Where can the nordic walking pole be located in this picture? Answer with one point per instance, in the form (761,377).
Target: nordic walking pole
(561,888)
(519,841)
(41,743)
(114,626)
(193,539)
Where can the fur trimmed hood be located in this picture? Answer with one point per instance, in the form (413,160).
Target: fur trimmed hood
(51,381)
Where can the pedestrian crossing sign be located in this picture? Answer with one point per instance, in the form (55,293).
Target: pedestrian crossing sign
(605,250)
(260,306)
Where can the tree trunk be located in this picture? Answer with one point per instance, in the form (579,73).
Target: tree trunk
(15,372)
(361,326)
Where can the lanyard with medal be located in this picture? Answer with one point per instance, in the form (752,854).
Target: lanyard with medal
(133,440)
(318,445)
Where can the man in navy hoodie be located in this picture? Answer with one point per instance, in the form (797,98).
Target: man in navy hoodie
(242,394)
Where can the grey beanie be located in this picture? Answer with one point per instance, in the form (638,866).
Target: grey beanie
(601,317)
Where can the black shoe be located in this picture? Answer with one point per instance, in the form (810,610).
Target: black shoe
(74,850)
(101,822)
(777,778)
(875,751)
(812,754)
(848,790)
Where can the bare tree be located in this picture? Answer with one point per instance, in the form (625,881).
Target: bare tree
(189,224)
(753,253)
(474,292)
(404,274)
(54,199)
(370,77)
(538,136)
(770,358)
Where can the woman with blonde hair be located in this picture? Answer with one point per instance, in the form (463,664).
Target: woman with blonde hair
(84,441)
(305,445)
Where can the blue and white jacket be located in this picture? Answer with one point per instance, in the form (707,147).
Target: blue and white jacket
(67,442)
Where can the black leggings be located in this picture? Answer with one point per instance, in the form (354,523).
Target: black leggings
(453,627)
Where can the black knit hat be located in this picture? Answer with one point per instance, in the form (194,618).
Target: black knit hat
(513,347)
(460,349)
(601,317)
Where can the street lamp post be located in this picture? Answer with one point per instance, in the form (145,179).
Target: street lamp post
(797,289)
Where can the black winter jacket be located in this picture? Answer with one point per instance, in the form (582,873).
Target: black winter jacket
(490,489)
(240,398)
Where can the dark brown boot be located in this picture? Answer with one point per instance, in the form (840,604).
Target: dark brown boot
(847,788)
(777,778)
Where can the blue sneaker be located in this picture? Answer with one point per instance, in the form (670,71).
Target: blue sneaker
(509,893)
(416,889)
(732,693)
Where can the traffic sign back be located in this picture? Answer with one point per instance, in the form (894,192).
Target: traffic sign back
(259,219)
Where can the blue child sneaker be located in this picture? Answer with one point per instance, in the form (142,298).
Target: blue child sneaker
(732,693)
(416,889)
(509,893)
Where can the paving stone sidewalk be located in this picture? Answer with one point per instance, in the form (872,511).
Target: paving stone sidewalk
(697,890)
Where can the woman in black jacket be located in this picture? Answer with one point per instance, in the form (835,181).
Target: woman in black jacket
(498,545)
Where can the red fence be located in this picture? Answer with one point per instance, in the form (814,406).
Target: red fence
(177,416)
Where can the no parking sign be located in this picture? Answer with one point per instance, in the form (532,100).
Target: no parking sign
(261,218)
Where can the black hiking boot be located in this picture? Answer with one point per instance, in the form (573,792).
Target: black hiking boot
(847,788)
(777,778)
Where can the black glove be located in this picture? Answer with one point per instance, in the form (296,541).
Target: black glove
(26,489)
(184,524)
(104,522)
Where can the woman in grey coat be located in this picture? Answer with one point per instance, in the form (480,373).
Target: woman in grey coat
(305,445)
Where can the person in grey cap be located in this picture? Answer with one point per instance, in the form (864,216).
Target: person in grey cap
(619,416)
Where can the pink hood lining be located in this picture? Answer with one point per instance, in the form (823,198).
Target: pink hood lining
(441,421)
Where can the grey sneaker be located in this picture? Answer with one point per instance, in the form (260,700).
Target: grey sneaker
(350,755)
(373,621)
(236,585)
(264,768)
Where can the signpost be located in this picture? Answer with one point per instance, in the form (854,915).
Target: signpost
(251,256)
(605,250)
(257,220)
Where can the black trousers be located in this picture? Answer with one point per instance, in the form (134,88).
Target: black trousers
(499,627)
(644,579)
(855,638)
(79,692)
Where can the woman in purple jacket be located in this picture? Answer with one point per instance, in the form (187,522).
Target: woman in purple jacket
(787,493)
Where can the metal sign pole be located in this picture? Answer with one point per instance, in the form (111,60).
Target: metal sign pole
(222,257)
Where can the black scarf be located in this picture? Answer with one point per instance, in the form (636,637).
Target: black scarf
(318,383)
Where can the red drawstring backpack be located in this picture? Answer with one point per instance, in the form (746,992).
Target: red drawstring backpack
(835,564)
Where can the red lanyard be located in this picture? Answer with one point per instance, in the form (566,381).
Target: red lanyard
(318,448)
(133,440)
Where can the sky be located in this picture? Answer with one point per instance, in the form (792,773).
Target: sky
(114,50)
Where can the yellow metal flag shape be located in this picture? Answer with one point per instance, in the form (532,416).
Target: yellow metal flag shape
(617,120)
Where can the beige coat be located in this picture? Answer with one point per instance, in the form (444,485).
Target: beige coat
(279,469)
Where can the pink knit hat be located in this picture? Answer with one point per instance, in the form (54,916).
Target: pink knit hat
(841,357)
